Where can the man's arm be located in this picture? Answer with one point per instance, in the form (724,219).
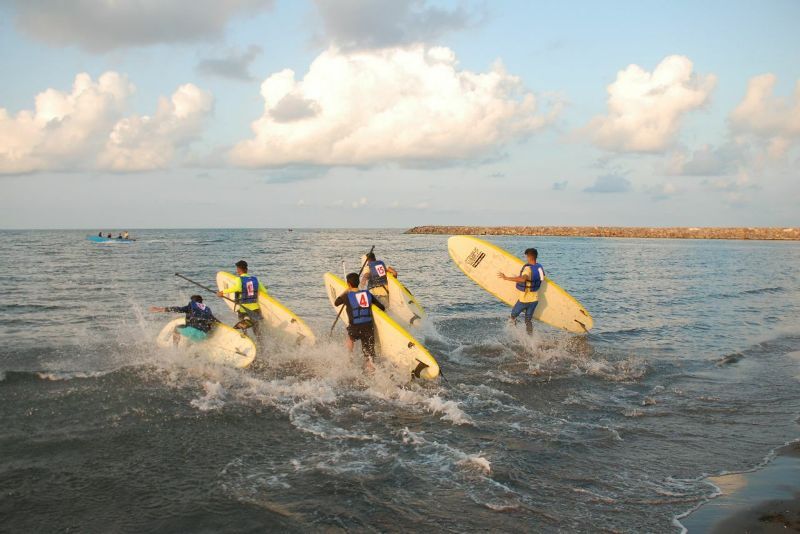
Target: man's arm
(236,287)
(166,309)
(524,277)
(364,279)
(340,300)
(392,271)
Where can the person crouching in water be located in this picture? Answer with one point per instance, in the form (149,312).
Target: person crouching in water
(199,319)
(527,283)
(376,279)
(358,304)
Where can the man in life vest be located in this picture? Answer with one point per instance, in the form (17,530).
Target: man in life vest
(376,278)
(245,289)
(199,319)
(528,283)
(358,303)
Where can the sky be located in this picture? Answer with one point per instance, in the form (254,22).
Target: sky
(397,113)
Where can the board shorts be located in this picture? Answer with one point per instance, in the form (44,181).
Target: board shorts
(527,307)
(366,334)
(192,333)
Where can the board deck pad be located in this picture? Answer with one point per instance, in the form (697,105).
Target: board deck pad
(481,261)
(224,345)
(276,316)
(392,340)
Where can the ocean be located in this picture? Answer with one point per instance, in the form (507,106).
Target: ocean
(692,370)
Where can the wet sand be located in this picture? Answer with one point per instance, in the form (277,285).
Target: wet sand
(766,500)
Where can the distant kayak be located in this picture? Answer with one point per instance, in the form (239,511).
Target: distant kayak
(98,239)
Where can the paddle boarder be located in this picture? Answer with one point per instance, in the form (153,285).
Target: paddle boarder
(527,283)
(358,304)
(376,278)
(245,289)
(199,319)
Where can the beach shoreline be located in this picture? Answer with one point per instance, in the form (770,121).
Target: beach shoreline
(636,232)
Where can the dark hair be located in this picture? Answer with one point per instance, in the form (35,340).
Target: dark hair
(197,298)
(371,256)
(352,279)
(533,252)
(242,265)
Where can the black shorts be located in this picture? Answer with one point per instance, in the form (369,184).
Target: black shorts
(361,332)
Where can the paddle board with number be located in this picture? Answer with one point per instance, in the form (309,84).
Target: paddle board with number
(224,345)
(481,261)
(393,342)
(402,306)
(276,315)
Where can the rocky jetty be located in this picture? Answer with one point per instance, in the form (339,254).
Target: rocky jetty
(770,234)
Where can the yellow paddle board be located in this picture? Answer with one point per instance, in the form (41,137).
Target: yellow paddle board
(481,261)
(392,340)
(276,315)
(224,345)
(401,305)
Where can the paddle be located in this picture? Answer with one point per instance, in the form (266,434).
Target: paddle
(198,284)
(341,309)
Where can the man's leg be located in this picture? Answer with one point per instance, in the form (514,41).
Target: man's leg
(529,317)
(368,347)
(516,310)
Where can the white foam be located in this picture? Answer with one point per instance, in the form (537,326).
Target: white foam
(213,399)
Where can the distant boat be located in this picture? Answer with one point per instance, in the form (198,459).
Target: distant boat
(291,230)
(100,239)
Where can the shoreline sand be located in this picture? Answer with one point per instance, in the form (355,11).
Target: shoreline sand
(743,233)
(766,499)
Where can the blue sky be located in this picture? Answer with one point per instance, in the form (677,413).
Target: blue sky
(398,113)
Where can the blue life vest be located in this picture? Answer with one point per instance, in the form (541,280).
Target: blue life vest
(200,316)
(535,282)
(377,274)
(249,294)
(360,306)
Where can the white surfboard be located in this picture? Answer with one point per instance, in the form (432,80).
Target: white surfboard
(224,345)
(392,341)
(277,316)
(481,261)
(402,306)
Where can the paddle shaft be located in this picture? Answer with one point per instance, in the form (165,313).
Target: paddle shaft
(198,284)
(341,309)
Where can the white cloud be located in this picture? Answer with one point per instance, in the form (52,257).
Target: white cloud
(609,183)
(706,160)
(410,105)
(234,65)
(140,143)
(774,120)
(85,128)
(101,25)
(645,109)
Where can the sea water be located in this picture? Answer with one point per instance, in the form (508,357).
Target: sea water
(687,373)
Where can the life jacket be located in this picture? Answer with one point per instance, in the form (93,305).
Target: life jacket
(377,274)
(200,316)
(249,294)
(535,282)
(360,306)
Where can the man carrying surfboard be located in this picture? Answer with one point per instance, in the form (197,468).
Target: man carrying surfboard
(376,277)
(358,303)
(199,319)
(245,287)
(527,283)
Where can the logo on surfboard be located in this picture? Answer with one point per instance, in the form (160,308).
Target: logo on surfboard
(475,257)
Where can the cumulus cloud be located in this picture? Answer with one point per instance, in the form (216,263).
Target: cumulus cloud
(140,143)
(85,128)
(102,25)
(609,183)
(773,119)
(411,105)
(235,65)
(362,24)
(645,109)
(707,160)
